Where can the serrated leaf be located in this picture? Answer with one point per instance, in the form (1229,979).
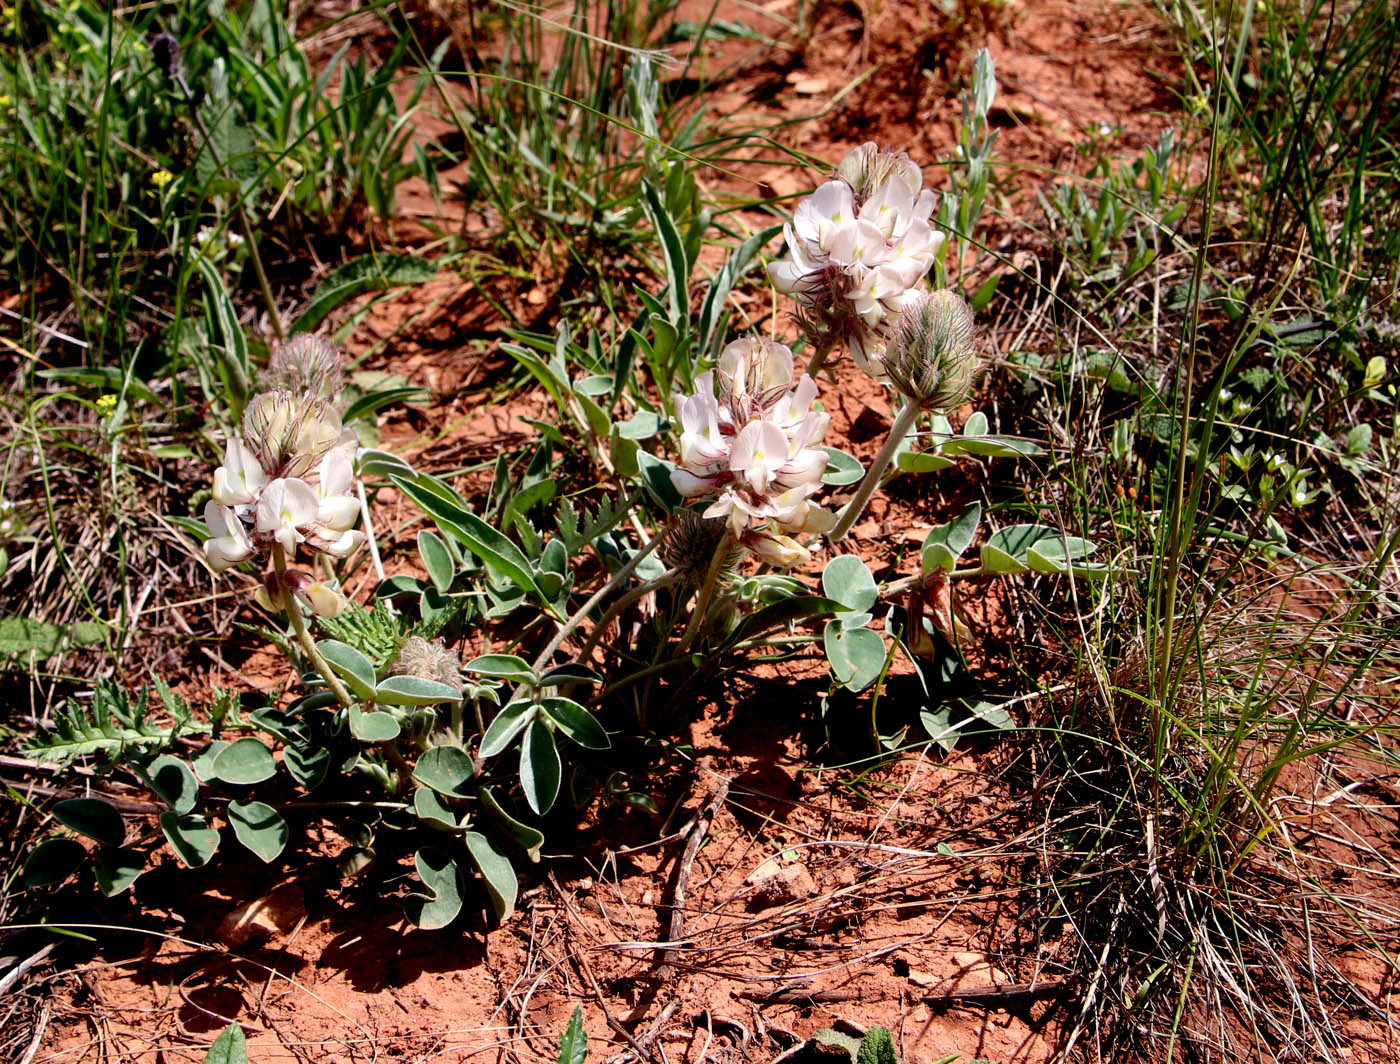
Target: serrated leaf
(350,665)
(53,861)
(373,727)
(447,770)
(443,879)
(848,581)
(405,690)
(540,767)
(260,829)
(93,817)
(497,873)
(857,656)
(244,762)
(573,1043)
(509,723)
(576,722)
(530,839)
(192,839)
(437,559)
(502,667)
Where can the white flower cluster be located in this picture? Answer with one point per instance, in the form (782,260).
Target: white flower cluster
(288,480)
(749,437)
(858,247)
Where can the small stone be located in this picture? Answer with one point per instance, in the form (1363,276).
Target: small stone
(778,882)
(272,914)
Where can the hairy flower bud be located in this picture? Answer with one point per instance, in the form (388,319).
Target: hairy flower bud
(691,542)
(431,660)
(930,357)
(306,365)
(289,434)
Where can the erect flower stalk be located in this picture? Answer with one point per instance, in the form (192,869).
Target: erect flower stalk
(851,512)
(707,594)
(566,629)
(308,645)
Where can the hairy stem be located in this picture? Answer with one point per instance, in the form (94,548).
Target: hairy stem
(851,512)
(666,579)
(707,594)
(566,629)
(308,645)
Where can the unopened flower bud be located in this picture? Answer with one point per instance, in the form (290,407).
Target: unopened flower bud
(930,357)
(431,660)
(306,365)
(289,434)
(867,169)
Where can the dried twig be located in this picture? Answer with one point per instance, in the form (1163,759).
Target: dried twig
(718,793)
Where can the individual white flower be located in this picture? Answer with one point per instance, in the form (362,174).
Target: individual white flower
(760,450)
(228,542)
(857,247)
(336,508)
(238,481)
(286,507)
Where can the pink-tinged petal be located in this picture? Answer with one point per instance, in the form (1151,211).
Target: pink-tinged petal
(732,508)
(805,467)
(689,485)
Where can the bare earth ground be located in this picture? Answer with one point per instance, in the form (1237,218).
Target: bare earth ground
(819,895)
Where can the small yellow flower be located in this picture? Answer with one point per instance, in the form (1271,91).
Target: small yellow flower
(161,178)
(4,99)
(106,404)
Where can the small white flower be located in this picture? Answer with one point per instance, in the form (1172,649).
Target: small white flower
(286,507)
(238,481)
(228,542)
